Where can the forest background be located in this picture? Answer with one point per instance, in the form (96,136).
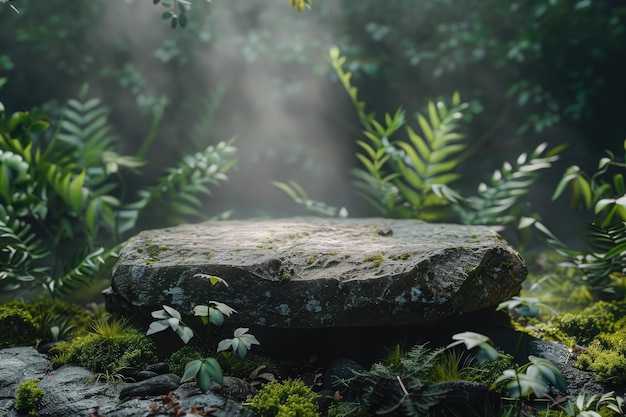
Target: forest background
(531,72)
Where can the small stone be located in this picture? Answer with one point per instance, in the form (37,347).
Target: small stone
(143,375)
(159,368)
(159,385)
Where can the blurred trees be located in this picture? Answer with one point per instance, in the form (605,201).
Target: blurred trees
(533,71)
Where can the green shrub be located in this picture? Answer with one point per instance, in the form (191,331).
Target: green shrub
(18,327)
(290,398)
(27,396)
(108,348)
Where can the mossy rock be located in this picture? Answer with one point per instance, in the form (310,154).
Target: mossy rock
(18,327)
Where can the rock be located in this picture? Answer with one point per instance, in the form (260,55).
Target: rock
(144,375)
(159,368)
(309,273)
(159,385)
(73,391)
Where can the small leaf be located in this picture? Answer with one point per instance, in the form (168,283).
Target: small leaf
(191,370)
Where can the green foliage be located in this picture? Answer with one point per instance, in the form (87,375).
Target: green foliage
(61,215)
(601,264)
(207,368)
(18,326)
(399,390)
(299,196)
(499,202)
(594,405)
(410,178)
(110,346)
(53,320)
(28,395)
(290,398)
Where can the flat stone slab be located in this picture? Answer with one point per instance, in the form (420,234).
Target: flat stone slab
(317,272)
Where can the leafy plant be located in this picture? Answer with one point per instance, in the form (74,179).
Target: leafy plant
(398,390)
(591,405)
(62,208)
(601,264)
(533,377)
(412,177)
(207,368)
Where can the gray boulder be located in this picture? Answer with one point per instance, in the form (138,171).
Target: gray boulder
(318,273)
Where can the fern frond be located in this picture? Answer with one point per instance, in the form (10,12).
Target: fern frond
(429,159)
(299,196)
(498,202)
(20,252)
(82,271)
(176,193)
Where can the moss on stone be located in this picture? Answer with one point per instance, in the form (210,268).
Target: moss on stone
(401,257)
(376,258)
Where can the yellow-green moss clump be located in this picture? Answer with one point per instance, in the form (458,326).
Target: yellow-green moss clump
(285,399)
(27,397)
(602,328)
(583,327)
(18,326)
(606,357)
(376,259)
(109,347)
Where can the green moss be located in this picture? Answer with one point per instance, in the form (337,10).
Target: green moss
(376,259)
(290,398)
(208,255)
(18,326)
(181,357)
(110,347)
(609,366)
(401,257)
(309,259)
(586,325)
(285,276)
(300,235)
(27,396)
(154,250)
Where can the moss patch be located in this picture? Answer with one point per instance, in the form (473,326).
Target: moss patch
(376,258)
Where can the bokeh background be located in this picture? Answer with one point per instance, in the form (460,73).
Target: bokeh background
(532,71)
